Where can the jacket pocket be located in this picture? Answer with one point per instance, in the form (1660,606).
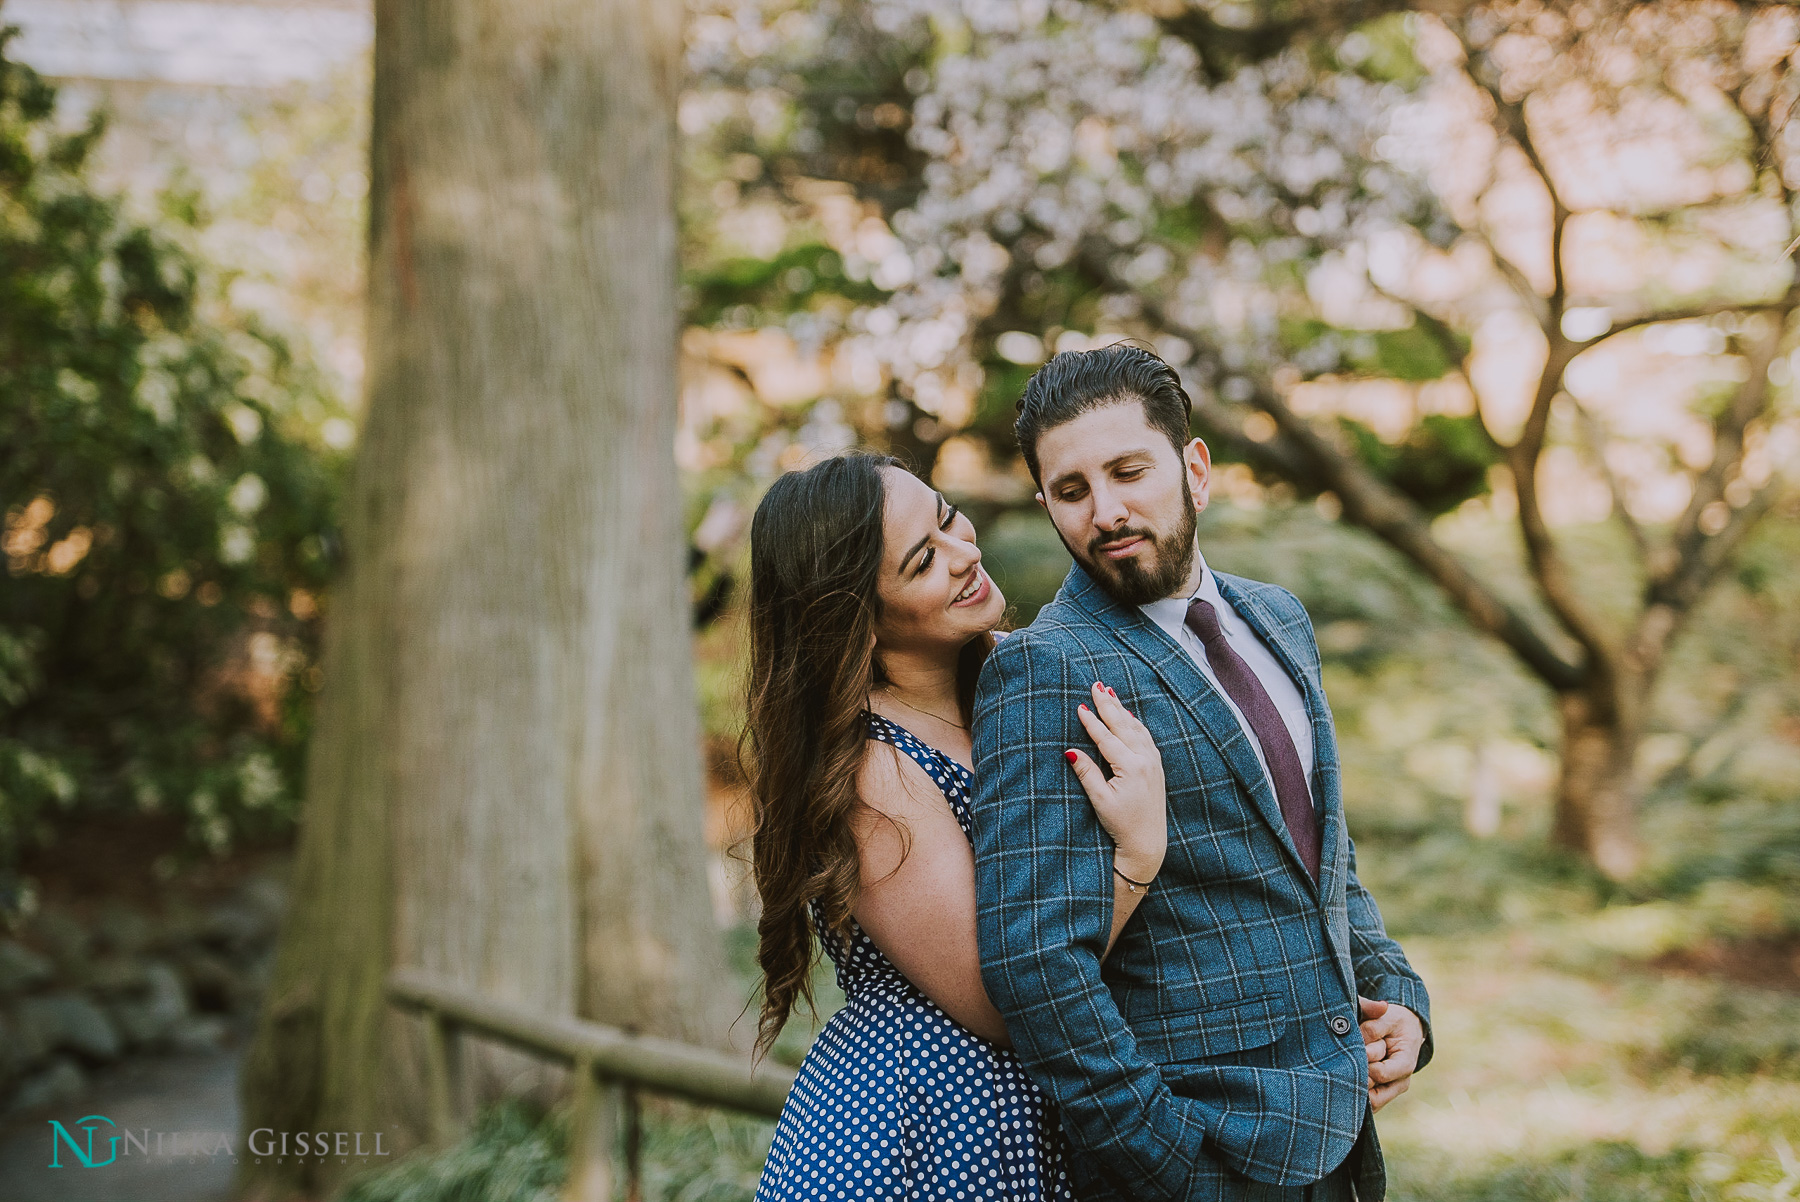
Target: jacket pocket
(1171,1038)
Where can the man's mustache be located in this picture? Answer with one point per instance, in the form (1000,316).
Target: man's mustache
(1119,535)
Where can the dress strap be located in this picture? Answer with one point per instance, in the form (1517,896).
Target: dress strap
(941,768)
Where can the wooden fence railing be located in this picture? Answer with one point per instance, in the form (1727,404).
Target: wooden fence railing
(611,1067)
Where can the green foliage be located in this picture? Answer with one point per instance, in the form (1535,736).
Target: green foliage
(517,1153)
(512,1154)
(1440,463)
(698,1154)
(778,286)
(1002,385)
(1426,350)
(1601,1172)
(1753,841)
(1445,883)
(1021,553)
(1187,225)
(1414,353)
(1383,49)
(1737,1032)
(166,519)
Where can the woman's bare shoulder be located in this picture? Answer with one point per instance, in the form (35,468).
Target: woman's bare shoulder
(890,782)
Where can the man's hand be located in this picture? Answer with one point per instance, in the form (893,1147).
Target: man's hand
(1393,1037)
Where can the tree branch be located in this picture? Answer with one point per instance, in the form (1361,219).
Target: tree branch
(1509,115)
(1547,565)
(1669,603)
(1433,326)
(1515,279)
(1656,317)
(1373,504)
(1688,542)
(1595,438)
(1510,123)
(1224,424)
(1763,137)
(1439,331)
(1700,571)
(1694,558)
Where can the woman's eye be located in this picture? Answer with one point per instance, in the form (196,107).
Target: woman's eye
(925,563)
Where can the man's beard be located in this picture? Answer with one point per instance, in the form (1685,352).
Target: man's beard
(1126,580)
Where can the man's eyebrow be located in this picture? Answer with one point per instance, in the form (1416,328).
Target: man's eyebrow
(1109,465)
(920,545)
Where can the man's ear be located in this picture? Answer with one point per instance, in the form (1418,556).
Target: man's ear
(1196,461)
(1040,501)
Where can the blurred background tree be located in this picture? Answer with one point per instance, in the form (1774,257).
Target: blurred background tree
(505,789)
(169,513)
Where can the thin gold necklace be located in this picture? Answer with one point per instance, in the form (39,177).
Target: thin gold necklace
(915,709)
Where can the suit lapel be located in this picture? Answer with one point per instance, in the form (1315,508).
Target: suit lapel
(1333,840)
(1187,685)
(1325,783)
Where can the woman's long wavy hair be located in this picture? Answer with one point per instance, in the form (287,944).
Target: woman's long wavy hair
(815,557)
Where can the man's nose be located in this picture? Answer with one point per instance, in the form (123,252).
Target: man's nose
(1109,510)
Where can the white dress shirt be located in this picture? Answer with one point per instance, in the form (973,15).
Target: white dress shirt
(1171,615)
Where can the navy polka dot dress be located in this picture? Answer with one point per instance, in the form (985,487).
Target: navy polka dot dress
(896,1100)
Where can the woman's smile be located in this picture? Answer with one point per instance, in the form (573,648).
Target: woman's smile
(975,592)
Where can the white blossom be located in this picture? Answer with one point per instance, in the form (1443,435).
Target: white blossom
(1076,131)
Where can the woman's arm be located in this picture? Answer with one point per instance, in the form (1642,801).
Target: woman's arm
(918,888)
(918,872)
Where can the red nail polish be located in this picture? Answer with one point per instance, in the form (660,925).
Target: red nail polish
(1082,708)
(1070,756)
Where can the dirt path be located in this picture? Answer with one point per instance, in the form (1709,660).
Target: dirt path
(194,1096)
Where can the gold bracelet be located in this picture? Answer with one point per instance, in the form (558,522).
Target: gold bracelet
(1132,886)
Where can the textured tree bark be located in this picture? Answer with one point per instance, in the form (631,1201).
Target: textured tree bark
(505,785)
(1596,789)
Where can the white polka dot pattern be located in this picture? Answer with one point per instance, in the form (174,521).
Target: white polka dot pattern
(896,1100)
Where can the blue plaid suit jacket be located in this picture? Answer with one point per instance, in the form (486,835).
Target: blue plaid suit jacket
(1209,1057)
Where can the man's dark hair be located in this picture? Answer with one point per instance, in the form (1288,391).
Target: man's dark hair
(1075,382)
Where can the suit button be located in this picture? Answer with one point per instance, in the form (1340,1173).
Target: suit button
(1340,1025)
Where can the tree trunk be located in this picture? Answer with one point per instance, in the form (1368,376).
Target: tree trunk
(1596,792)
(505,783)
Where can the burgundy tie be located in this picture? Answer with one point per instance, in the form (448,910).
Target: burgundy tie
(1248,694)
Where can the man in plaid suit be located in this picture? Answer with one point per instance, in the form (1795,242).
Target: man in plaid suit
(1254,1013)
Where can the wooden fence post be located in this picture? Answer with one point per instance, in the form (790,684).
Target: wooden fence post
(634,1146)
(594,1131)
(611,1068)
(442,1062)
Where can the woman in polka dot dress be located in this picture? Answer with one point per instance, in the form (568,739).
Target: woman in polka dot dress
(870,619)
